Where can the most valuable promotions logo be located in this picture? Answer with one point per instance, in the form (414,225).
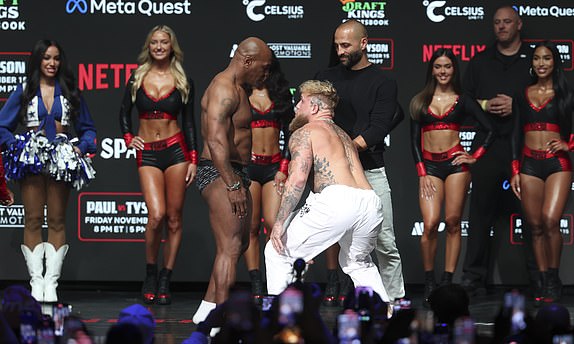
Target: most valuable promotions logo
(120,7)
(438,11)
(9,13)
(369,13)
(257,10)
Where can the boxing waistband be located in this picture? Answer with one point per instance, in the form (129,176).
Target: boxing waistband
(541,154)
(259,159)
(157,115)
(541,126)
(163,144)
(441,126)
(265,123)
(442,156)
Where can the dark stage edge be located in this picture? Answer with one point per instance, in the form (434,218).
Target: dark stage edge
(99,305)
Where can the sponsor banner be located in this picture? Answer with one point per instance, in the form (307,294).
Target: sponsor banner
(544,11)
(381,51)
(115,148)
(258,10)
(12,217)
(466,136)
(518,226)
(125,7)
(465,52)
(418,228)
(12,72)
(10,16)
(111,217)
(564,47)
(441,10)
(291,50)
(369,13)
(103,76)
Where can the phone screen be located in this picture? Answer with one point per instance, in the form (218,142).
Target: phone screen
(59,312)
(563,339)
(348,326)
(290,304)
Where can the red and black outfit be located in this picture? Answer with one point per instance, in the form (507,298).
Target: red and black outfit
(528,117)
(263,168)
(440,164)
(164,153)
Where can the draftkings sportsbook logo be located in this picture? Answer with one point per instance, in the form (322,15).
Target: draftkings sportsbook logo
(257,10)
(369,13)
(438,11)
(9,13)
(120,7)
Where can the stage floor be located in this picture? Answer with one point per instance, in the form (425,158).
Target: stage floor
(99,308)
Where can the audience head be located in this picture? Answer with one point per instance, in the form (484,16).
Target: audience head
(449,302)
(142,318)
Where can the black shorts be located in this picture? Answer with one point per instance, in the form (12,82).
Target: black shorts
(207,173)
(262,174)
(164,153)
(440,164)
(542,164)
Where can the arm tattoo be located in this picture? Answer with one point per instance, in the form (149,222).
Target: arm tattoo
(299,167)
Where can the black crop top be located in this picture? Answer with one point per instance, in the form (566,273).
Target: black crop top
(275,119)
(452,120)
(171,103)
(529,117)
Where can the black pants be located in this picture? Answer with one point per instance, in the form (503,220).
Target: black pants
(488,202)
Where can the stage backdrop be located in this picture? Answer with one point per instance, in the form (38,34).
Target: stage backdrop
(102,38)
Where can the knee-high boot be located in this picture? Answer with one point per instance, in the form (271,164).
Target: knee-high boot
(35,263)
(54,262)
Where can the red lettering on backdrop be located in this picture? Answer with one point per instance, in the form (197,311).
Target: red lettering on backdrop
(464,51)
(100,76)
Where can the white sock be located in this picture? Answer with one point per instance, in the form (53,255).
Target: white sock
(203,311)
(214,331)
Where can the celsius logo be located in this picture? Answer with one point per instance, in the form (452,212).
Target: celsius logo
(437,11)
(369,13)
(538,11)
(256,13)
(145,7)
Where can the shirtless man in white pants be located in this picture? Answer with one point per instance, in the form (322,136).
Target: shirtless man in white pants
(342,208)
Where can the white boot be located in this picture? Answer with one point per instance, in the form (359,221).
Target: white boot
(54,261)
(35,263)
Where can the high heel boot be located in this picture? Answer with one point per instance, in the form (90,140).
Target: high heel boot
(163,292)
(149,287)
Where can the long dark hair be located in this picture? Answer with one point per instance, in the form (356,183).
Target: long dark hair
(562,92)
(64,76)
(422,100)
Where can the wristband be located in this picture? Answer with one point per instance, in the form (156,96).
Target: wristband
(515,167)
(234,187)
(479,152)
(284,166)
(192,157)
(128,137)
(483,104)
(571,143)
(421,170)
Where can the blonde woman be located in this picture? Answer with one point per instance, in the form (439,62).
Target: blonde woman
(166,152)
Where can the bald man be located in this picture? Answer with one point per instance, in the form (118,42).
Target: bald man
(222,172)
(367,112)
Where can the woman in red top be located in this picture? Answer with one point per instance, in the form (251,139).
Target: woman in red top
(437,113)
(541,166)
(166,151)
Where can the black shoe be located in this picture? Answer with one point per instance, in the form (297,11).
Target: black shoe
(446,278)
(163,292)
(149,287)
(256,286)
(538,290)
(345,287)
(430,285)
(331,289)
(553,287)
(473,288)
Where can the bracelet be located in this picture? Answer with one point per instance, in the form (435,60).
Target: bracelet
(128,137)
(479,152)
(421,170)
(483,104)
(234,187)
(192,157)
(515,167)
(284,166)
